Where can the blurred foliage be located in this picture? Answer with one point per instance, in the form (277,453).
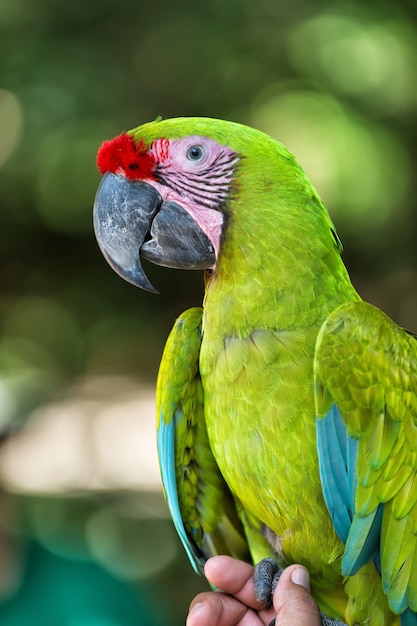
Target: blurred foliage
(335,82)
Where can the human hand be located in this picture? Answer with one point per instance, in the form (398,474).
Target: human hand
(236,604)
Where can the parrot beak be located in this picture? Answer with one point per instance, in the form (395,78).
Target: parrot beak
(131,219)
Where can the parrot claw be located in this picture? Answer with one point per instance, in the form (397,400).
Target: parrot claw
(267,573)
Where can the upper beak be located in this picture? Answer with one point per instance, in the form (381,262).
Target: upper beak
(130,218)
(122,213)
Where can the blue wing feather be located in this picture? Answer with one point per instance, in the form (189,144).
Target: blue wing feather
(166,453)
(408,618)
(337,453)
(337,462)
(363,541)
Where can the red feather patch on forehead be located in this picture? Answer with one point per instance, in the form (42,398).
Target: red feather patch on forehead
(123,155)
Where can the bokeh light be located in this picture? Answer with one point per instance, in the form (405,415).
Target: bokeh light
(364,52)
(359,167)
(99,436)
(11,124)
(67,176)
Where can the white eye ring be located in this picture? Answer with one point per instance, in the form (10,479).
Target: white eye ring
(195,153)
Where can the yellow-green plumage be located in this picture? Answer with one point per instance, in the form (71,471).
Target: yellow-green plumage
(287,388)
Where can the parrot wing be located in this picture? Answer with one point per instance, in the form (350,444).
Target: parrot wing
(202,508)
(366,402)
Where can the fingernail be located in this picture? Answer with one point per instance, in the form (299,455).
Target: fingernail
(192,617)
(196,607)
(301,577)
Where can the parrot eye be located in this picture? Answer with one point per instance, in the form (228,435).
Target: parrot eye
(195,153)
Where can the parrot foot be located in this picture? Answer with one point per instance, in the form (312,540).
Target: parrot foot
(267,573)
(325,621)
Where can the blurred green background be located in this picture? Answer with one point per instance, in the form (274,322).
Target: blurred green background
(79,348)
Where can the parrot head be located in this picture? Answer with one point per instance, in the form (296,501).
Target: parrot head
(171,187)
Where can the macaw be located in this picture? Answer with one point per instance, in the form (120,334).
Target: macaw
(286,405)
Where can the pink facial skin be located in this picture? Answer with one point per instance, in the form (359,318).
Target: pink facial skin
(195,172)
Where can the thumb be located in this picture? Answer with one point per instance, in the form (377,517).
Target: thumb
(292,600)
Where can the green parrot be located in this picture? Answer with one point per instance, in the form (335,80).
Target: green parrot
(286,406)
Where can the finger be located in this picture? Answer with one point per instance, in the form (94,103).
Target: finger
(233,577)
(292,600)
(218,609)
